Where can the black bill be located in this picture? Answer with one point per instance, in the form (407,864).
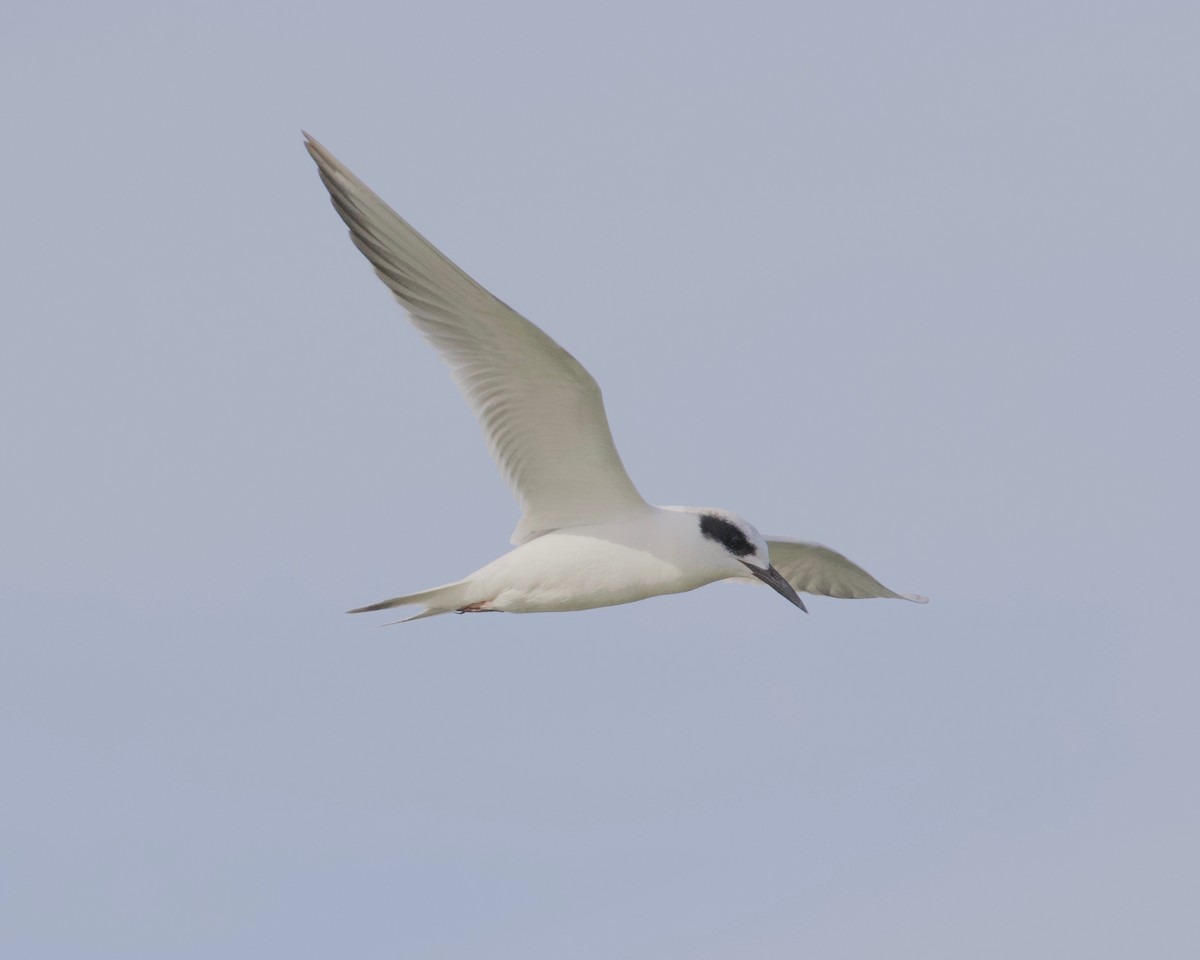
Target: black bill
(773,578)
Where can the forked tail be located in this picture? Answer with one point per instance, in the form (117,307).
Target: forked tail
(443,599)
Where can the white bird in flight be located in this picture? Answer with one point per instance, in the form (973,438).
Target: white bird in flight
(586,537)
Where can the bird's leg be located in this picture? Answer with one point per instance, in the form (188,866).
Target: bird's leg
(479,606)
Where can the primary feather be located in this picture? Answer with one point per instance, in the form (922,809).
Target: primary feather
(812,568)
(541,412)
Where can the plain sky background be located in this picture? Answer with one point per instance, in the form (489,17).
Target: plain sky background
(919,281)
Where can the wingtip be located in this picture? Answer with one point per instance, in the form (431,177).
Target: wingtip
(318,151)
(914,597)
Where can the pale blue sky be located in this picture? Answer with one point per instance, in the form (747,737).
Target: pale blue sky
(915,280)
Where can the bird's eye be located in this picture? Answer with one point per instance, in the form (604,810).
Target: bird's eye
(727,534)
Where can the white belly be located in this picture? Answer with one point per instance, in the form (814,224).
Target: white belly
(584,567)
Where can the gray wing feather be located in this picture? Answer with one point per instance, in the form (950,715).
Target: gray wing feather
(812,568)
(541,412)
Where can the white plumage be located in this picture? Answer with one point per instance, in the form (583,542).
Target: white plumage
(586,538)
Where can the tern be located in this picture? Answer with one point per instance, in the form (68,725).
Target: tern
(586,538)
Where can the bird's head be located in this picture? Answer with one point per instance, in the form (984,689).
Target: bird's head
(744,550)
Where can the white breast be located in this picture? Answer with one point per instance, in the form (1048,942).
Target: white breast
(597,566)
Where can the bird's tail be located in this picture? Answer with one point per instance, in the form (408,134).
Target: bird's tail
(444,599)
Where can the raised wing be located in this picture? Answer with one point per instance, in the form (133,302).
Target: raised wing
(541,411)
(812,568)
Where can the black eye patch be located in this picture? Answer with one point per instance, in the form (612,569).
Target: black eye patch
(726,534)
